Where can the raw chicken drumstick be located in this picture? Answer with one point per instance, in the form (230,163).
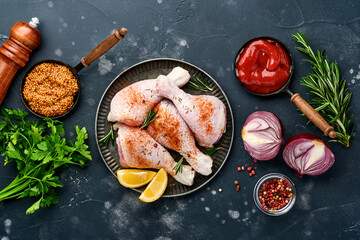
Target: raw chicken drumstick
(171,131)
(205,115)
(132,104)
(137,149)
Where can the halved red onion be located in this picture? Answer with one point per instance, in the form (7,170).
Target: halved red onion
(308,154)
(262,135)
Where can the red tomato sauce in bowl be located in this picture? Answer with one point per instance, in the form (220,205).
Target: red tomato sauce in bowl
(263,66)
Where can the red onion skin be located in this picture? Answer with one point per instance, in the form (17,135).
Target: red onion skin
(274,120)
(309,137)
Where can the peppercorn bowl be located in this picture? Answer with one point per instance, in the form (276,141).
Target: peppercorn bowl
(274,194)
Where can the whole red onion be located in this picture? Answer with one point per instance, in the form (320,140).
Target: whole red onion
(262,135)
(308,154)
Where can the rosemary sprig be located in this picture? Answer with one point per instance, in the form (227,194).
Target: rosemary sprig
(179,166)
(199,83)
(331,98)
(108,138)
(210,151)
(150,118)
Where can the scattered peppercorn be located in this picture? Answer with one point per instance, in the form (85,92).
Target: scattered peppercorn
(275,194)
(248,168)
(155,145)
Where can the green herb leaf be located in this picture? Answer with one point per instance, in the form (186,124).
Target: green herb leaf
(198,83)
(80,140)
(34,207)
(108,138)
(150,118)
(179,166)
(331,98)
(31,192)
(210,151)
(13,153)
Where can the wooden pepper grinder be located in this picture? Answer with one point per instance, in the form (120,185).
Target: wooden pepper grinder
(14,53)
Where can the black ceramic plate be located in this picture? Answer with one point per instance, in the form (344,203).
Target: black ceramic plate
(150,69)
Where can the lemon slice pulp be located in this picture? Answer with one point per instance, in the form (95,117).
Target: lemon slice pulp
(133,178)
(156,187)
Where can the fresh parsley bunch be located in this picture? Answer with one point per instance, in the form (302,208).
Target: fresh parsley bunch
(39,152)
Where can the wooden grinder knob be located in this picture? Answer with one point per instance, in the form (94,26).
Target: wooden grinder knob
(14,53)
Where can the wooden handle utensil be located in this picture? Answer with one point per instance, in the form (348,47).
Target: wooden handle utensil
(313,115)
(103,47)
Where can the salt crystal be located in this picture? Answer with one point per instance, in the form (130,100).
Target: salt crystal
(234,214)
(50,4)
(58,52)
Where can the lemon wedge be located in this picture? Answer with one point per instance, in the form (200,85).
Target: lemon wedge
(156,187)
(133,178)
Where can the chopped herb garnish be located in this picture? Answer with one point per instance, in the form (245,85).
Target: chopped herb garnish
(210,151)
(150,118)
(199,83)
(108,138)
(179,166)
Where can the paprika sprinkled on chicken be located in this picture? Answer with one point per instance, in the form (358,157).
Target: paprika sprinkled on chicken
(132,104)
(171,131)
(205,115)
(137,149)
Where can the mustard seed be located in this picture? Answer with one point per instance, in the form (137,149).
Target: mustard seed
(50,88)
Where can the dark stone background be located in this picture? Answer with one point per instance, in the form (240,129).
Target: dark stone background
(207,34)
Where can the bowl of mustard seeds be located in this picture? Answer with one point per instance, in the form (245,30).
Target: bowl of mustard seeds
(50,89)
